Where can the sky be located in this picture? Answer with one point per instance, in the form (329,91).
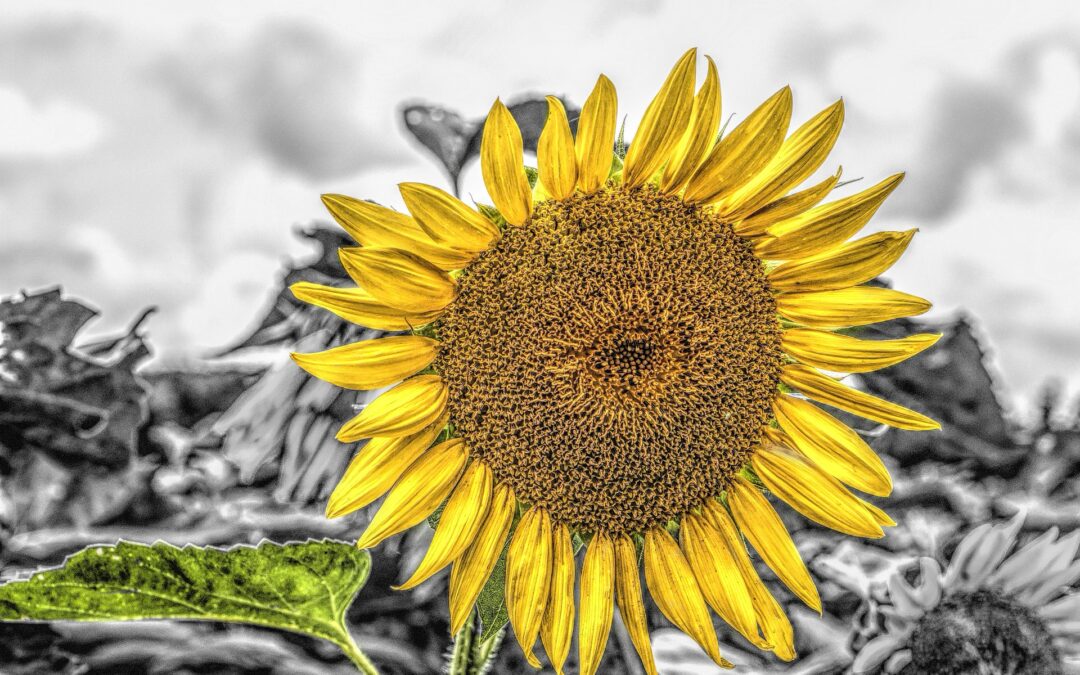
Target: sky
(164,153)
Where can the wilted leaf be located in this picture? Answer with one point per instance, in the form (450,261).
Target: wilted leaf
(70,415)
(288,319)
(952,384)
(282,427)
(304,588)
(73,405)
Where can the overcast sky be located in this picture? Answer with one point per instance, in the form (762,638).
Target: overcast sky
(155,153)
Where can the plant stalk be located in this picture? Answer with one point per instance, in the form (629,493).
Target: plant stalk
(359,659)
(461,654)
(469,655)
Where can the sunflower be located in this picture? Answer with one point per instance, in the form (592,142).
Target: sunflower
(621,355)
(986,613)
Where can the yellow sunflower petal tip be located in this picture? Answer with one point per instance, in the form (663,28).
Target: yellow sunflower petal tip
(501,162)
(553,339)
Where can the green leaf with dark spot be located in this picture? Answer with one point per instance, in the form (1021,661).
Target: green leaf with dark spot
(302,587)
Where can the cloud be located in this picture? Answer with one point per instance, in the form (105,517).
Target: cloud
(290,91)
(46,129)
(972,124)
(1020,126)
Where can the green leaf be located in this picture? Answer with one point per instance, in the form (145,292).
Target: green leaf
(533,175)
(302,587)
(491,603)
(492,214)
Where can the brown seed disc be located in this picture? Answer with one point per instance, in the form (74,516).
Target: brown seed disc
(614,358)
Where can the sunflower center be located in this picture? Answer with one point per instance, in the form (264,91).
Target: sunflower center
(983,632)
(614,358)
(626,360)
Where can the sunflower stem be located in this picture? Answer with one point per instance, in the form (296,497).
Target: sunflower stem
(363,664)
(462,651)
(470,655)
(484,653)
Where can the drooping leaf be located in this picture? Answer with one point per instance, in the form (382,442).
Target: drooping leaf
(71,415)
(287,319)
(301,587)
(281,428)
(76,405)
(953,384)
(444,132)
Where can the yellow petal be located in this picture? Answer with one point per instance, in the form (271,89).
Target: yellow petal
(663,124)
(771,618)
(699,136)
(403,410)
(503,165)
(528,577)
(846,354)
(774,624)
(421,489)
(377,226)
(827,390)
(399,278)
(880,517)
(376,468)
(557,629)
(359,307)
(673,588)
(370,364)
(447,219)
(825,226)
(631,605)
(855,306)
(759,523)
(786,207)
(851,264)
(460,521)
(832,445)
(471,571)
(555,157)
(717,574)
(740,155)
(595,142)
(597,602)
(812,492)
(798,157)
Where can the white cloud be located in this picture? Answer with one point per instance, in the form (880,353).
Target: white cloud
(289,91)
(46,129)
